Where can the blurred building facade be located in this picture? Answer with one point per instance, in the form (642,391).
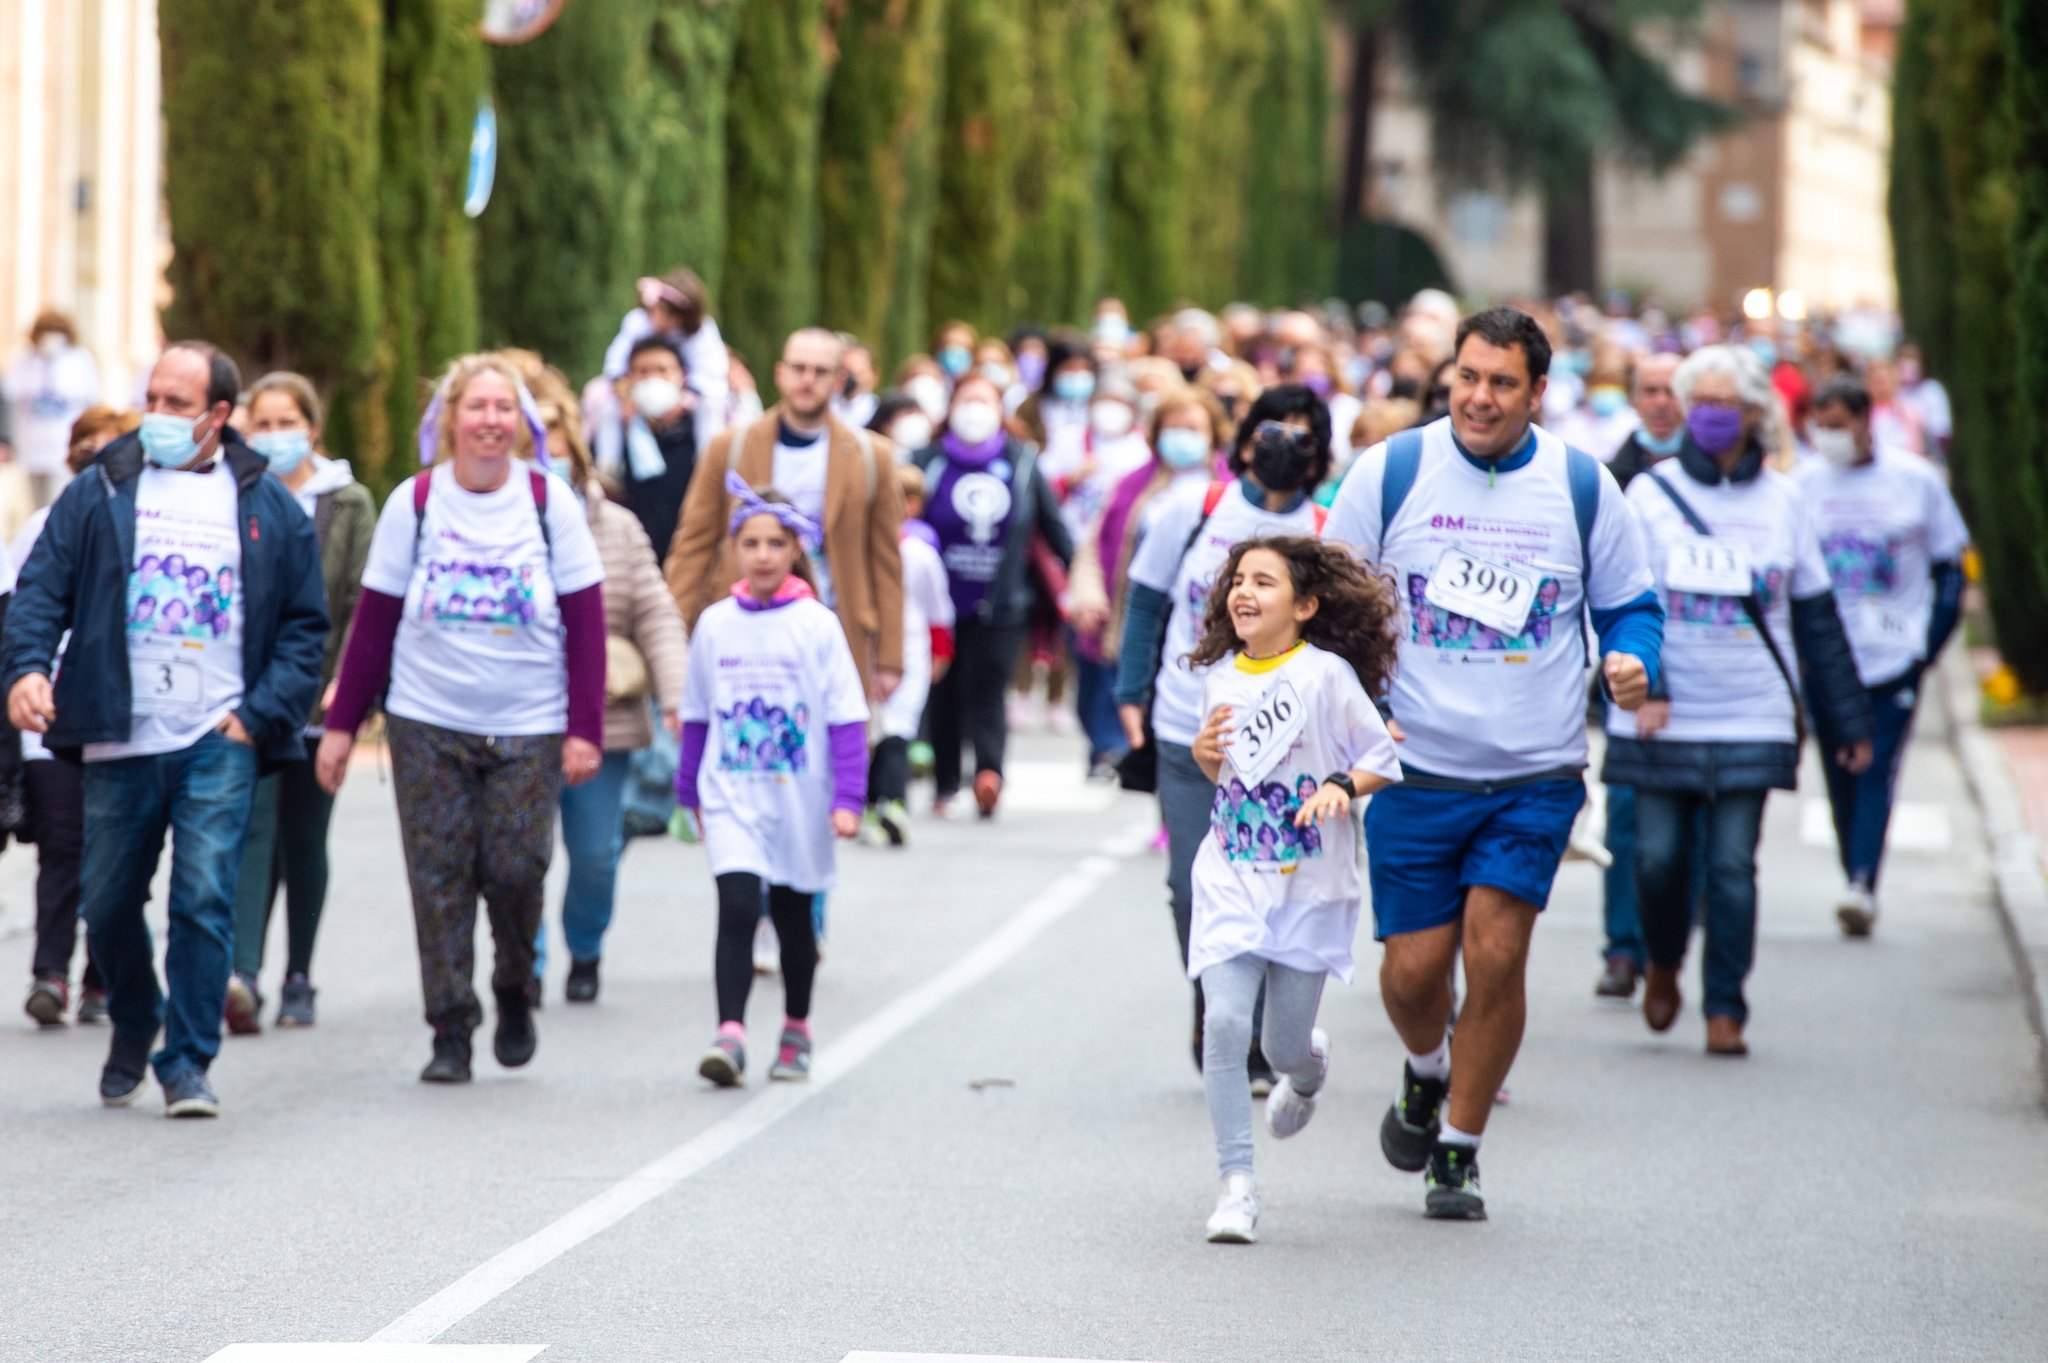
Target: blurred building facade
(82,225)
(1792,199)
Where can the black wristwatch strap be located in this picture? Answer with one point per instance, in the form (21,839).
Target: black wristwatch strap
(1342,781)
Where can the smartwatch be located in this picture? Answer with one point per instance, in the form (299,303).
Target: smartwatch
(1342,781)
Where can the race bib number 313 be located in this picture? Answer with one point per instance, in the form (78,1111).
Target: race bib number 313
(1497,595)
(1267,731)
(1709,567)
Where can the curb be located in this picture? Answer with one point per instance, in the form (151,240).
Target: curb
(2020,890)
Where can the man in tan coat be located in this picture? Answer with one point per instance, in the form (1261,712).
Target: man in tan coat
(843,478)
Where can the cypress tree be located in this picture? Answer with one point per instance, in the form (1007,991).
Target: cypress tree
(1284,252)
(1922,247)
(774,103)
(974,237)
(267,166)
(1236,42)
(433,79)
(879,145)
(1156,103)
(1063,165)
(683,134)
(2023,621)
(562,239)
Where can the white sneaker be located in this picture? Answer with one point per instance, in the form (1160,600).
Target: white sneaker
(1856,910)
(1236,1218)
(1287,1112)
(767,949)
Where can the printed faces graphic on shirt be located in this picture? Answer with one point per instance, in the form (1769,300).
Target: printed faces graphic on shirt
(1859,565)
(1722,615)
(474,591)
(1433,627)
(755,735)
(178,597)
(1254,825)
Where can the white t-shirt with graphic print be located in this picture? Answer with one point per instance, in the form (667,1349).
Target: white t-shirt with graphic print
(1187,579)
(770,684)
(185,595)
(1475,702)
(480,647)
(1724,687)
(1882,527)
(1262,886)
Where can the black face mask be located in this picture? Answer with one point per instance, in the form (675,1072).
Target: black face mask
(1278,460)
(1190,372)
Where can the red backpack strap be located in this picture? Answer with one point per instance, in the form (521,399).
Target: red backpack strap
(1322,518)
(421,483)
(1213,498)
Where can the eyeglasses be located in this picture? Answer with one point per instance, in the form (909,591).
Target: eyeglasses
(1279,433)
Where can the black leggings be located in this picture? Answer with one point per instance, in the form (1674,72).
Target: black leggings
(56,801)
(968,701)
(889,771)
(739,912)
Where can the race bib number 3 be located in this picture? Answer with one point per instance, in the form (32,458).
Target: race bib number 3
(1497,595)
(1267,731)
(1709,567)
(167,686)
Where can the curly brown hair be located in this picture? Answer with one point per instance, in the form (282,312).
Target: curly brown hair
(1358,616)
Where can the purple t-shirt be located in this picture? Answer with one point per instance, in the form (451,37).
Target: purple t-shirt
(970,510)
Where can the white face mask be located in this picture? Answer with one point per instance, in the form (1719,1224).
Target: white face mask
(911,432)
(975,422)
(1112,419)
(1837,447)
(656,397)
(928,393)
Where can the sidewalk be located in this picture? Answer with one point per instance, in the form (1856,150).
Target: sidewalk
(2008,772)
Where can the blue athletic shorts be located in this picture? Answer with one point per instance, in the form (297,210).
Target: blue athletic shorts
(1424,848)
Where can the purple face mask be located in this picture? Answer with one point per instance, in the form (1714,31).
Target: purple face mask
(1714,429)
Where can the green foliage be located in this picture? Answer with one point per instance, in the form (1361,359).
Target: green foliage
(975,230)
(273,260)
(1236,41)
(877,159)
(562,239)
(2022,601)
(683,146)
(1284,253)
(433,79)
(774,102)
(1156,104)
(1917,199)
(1063,167)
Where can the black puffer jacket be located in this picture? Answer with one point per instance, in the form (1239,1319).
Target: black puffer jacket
(1840,715)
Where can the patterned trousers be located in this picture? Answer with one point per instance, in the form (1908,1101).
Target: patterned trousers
(477,816)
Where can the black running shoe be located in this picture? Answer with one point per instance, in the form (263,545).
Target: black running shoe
(515,1040)
(582,987)
(1453,1184)
(127,1065)
(450,1064)
(1410,1126)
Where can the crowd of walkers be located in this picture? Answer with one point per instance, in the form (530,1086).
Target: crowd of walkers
(1260,565)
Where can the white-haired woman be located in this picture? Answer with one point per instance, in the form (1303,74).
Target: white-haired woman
(483,605)
(1747,603)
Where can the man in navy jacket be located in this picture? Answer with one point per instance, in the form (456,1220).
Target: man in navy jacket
(189,581)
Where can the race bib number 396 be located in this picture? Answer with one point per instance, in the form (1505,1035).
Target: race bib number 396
(1267,731)
(1497,595)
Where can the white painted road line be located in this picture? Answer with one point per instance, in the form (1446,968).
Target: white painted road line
(865,1357)
(497,1275)
(377,1353)
(1916,826)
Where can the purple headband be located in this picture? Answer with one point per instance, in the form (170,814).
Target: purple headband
(747,504)
(430,425)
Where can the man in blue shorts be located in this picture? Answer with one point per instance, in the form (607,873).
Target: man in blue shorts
(1500,541)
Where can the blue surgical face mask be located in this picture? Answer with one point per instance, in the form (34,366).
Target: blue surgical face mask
(1181,448)
(284,450)
(167,440)
(1765,350)
(1074,385)
(955,360)
(1663,448)
(1606,400)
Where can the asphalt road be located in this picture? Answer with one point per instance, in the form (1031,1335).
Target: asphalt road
(1006,1153)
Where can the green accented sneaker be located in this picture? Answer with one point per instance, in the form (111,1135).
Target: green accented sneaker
(1453,1184)
(1410,1126)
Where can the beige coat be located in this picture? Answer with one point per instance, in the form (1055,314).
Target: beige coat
(861,532)
(638,609)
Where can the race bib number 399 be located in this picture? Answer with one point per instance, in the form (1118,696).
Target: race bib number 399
(1497,595)
(1267,731)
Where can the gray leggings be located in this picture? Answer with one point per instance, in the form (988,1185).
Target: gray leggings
(1230,988)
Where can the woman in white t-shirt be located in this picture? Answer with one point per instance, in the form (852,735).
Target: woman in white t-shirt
(772,680)
(1728,540)
(49,386)
(483,605)
(1296,639)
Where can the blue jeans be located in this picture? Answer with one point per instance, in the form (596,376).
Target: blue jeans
(201,797)
(1095,704)
(1624,921)
(1676,833)
(1862,805)
(594,832)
